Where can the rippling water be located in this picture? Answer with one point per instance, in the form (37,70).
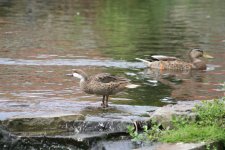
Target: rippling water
(42,41)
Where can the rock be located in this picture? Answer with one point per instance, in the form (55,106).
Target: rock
(107,123)
(165,114)
(7,139)
(82,128)
(87,127)
(40,124)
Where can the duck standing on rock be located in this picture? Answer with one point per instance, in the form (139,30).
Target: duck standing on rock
(103,84)
(172,63)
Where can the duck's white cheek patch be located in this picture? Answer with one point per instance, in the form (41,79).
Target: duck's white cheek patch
(77,76)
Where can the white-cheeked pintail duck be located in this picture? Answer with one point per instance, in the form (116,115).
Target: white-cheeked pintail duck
(103,84)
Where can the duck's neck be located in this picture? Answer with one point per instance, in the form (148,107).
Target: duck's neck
(194,59)
(82,76)
(198,64)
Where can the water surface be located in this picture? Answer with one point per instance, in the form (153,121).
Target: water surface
(42,41)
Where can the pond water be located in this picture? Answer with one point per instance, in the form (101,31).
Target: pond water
(42,41)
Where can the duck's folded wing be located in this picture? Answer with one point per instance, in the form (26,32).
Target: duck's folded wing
(107,78)
(164,58)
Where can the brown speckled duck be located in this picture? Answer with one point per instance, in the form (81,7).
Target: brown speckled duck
(172,63)
(102,84)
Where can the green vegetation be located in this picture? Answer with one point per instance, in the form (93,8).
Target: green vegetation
(194,133)
(148,134)
(208,126)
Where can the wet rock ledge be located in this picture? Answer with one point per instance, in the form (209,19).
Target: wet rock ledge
(92,127)
(83,129)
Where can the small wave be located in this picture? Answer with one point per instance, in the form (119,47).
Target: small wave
(72,62)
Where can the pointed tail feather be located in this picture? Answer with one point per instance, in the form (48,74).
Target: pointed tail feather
(132,86)
(145,61)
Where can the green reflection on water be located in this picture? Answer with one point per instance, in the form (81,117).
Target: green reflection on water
(128,27)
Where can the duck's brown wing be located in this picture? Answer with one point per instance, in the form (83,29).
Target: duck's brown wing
(107,78)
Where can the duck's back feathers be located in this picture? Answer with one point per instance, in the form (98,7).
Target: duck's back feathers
(107,78)
(105,84)
(171,65)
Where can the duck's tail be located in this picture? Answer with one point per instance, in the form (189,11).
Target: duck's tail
(132,86)
(145,61)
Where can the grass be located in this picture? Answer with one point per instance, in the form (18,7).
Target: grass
(194,133)
(208,126)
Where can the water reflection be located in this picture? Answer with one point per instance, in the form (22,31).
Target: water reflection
(185,85)
(72,62)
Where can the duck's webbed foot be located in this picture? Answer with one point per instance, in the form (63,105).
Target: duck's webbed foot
(103,105)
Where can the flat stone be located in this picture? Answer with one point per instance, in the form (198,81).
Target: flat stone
(80,129)
(165,114)
(42,123)
(90,117)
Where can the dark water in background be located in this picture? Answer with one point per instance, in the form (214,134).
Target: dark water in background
(42,41)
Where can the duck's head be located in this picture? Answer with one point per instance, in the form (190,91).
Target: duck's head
(198,53)
(78,73)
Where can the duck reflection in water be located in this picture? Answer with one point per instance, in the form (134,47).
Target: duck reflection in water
(185,85)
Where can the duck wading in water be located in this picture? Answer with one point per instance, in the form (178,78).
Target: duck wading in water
(172,63)
(102,84)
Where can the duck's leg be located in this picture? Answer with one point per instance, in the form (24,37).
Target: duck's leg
(107,98)
(103,101)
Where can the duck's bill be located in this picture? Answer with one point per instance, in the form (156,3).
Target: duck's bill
(207,56)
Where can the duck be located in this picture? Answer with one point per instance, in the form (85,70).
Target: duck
(162,62)
(103,84)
